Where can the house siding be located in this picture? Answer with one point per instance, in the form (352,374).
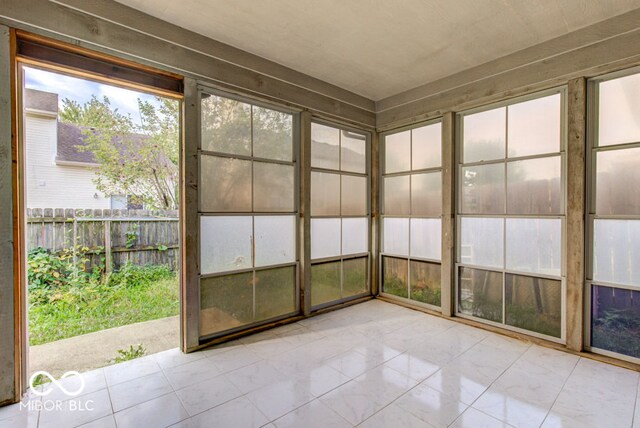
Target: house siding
(48,184)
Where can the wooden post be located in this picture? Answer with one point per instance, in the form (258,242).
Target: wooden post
(9,315)
(576,124)
(448,215)
(375,212)
(189,236)
(108,264)
(305,212)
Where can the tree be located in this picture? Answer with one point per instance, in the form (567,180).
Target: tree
(138,160)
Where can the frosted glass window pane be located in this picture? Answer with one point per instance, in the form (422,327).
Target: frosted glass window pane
(535,186)
(618,182)
(534,304)
(426,149)
(325,193)
(272,134)
(425,282)
(272,187)
(426,194)
(622,335)
(325,282)
(275,240)
(483,189)
(225,243)
(619,111)
(534,126)
(481,241)
(225,184)
(354,274)
(355,235)
(396,195)
(325,237)
(226,302)
(426,238)
(275,292)
(484,135)
(480,293)
(226,126)
(353,155)
(397,152)
(396,236)
(354,195)
(395,274)
(534,245)
(617,251)
(325,147)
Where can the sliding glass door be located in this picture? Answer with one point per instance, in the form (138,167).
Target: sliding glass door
(412,210)
(511,204)
(613,244)
(248,214)
(340,214)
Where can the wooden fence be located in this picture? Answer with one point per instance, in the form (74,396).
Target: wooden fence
(141,237)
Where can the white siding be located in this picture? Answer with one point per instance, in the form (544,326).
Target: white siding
(50,185)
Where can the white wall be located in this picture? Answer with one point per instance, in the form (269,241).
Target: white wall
(55,186)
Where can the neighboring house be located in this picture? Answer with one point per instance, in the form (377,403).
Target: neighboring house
(58,175)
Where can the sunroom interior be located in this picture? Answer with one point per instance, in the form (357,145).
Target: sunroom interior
(424,214)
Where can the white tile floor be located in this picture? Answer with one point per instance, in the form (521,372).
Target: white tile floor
(371,365)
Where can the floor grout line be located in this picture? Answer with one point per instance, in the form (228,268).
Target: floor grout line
(561,389)
(635,407)
(529,346)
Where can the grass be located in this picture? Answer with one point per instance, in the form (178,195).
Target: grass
(73,310)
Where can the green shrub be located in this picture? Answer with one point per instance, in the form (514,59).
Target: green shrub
(46,270)
(53,270)
(129,354)
(131,275)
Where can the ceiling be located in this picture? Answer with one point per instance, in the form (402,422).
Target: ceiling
(378,48)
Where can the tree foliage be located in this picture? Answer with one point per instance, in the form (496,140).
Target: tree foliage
(137,160)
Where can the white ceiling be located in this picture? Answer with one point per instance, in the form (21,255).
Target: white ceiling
(378,48)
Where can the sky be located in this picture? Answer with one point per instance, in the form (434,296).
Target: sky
(80,90)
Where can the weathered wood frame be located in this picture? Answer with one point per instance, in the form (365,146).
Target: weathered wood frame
(10,341)
(111,28)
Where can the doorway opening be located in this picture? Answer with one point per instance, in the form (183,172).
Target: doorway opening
(101,183)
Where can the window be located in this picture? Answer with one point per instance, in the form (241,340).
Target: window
(248,221)
(614,215)
(412,210)
(511,215)
(339,214)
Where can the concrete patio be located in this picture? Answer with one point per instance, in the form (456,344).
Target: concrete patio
(95,350)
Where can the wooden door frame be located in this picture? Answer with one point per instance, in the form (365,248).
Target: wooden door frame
(16,192)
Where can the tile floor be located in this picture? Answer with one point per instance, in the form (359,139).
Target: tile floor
(371,365)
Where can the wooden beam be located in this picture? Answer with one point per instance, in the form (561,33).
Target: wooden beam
(304,234)
(448,215)
(576,181)
(598,58)
(8,376)
(190,230)
(134,18)
(375,212)
(519,60)
(138,43)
